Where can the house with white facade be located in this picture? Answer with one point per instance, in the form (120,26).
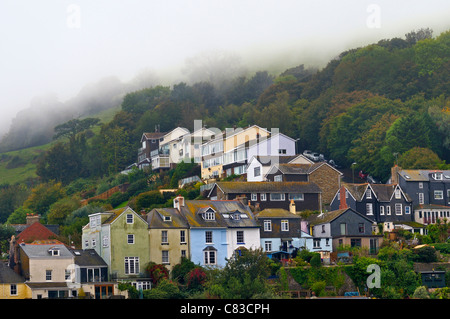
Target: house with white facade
(259,165)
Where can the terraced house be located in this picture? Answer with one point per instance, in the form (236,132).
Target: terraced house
(120,237)
(218,229)
(168,236)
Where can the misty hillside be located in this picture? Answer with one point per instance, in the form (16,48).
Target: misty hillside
(372,105)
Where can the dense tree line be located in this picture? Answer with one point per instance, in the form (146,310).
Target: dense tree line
(371,105)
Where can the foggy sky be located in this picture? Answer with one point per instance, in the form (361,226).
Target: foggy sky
(57,47)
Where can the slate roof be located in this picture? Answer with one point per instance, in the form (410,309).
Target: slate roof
(153,135)
(88,257)
(40,249)
(421,175)
(268,187)
(155,218)
(317,219)
(223,208)
(8,276)
(276,213)
(383,192)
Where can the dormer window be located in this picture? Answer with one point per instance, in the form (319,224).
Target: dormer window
(54,251)
(167,218)
(437,176)
(209,214)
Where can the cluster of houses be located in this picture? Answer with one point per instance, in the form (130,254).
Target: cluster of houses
(261,211)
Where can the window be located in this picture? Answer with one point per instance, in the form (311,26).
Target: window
(267,225)
(210,257)
(343,227)
(437,176)
(282,151)
(164,238)
(438,195)
(130,218)
(323,228)
(263,197)
(48,275)
(296,196)
(209,214)
(355,242)
(407,210)
(183,253)
(421,201)
(105,241)
(131,265)
(257,171)
(86,243)
(13,290)
(93,242)
(277,197)
(361,228)
(397,193)
(284,225)
(130,239)
(369,209)
(182,236)
(316,243)
(398,209)
(420,185)
(381,210)
(165,257)
(208,237)
(268,246)
(67,274)
(93,222)
(240,237)
(278,178)
(254,197)
(368,194)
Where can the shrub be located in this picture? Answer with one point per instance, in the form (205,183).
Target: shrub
(421,293)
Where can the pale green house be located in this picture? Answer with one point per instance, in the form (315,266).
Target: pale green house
(120,237)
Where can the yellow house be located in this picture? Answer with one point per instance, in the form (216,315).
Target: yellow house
(12,285)
(168,236)
(227,154)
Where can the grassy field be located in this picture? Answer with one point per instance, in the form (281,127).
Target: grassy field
(18,166)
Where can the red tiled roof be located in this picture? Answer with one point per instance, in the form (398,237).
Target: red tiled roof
(35,231)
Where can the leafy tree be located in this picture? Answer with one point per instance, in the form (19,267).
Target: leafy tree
(71,128)
(157,273)
(419,158)
(60,210)
(43,196)
(19,216)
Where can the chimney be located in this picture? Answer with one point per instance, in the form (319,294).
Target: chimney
(178,202)
(32,218)
(342,200)
(292,208)
(243,199)
(394,174)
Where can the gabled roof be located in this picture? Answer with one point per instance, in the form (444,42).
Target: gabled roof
(269,160)
(223,208)
(154,135)
(35,231)
(383,192)
(422,175)
(293,169)
(328,217)
(267,187)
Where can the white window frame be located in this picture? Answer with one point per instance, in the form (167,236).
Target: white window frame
(368,194)
(263,197)
(208,237)
(254,197)
(438,194)
(48,275)
(13,290)
(369,209)
(130,218)
(182,236)
(278,178)
(421,198)
(164,237)
(296,196)
(281,199)
(130,239)
(398,209)
(207,257)
(388,210)
(381,210)
(267,245)
(164,257)
(397,193)
(284,225)
(267,225)
(131,265)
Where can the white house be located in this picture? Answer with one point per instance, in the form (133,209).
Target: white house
(259,166)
